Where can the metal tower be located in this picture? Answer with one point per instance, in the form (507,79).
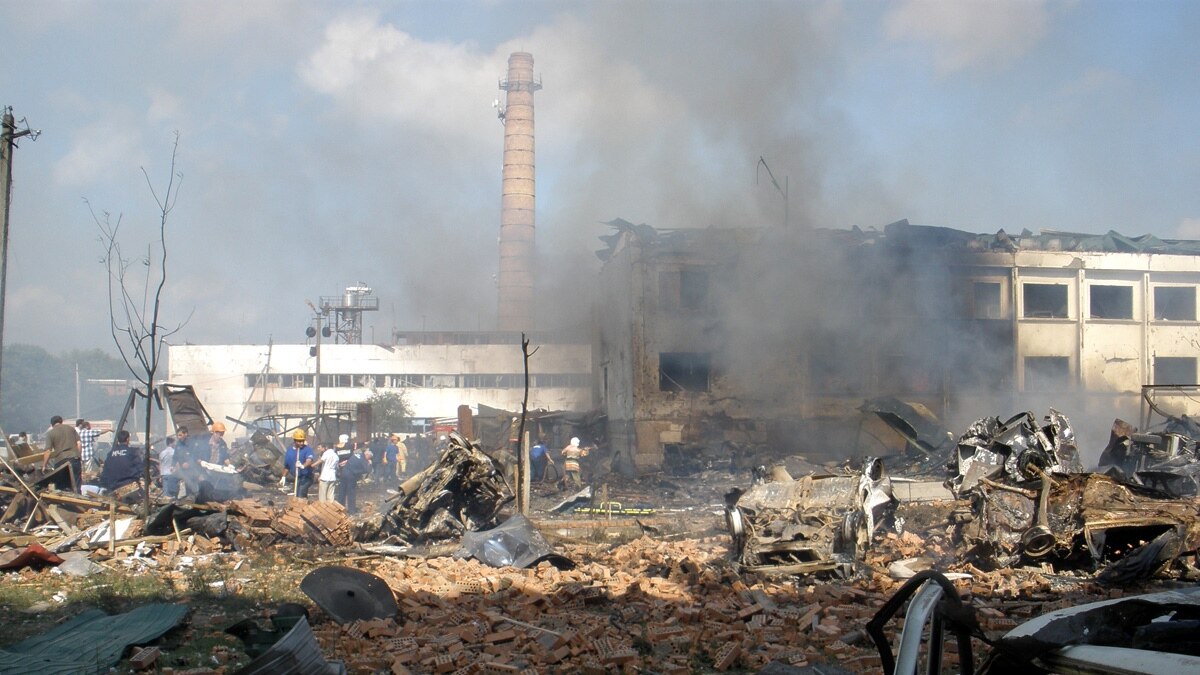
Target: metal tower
(345,312)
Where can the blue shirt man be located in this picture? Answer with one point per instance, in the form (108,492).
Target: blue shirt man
(123,466)
(538,458)
(300,453)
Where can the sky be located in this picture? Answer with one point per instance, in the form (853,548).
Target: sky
(323,144)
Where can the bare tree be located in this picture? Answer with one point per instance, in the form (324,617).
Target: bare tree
(135,288)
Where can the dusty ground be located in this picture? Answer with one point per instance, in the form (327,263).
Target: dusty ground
(659,595)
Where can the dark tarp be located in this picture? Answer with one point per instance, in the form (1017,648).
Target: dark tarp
(90,643)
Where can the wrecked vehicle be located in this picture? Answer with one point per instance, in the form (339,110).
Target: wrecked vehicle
(463,490)
(1030,503)
(1017,450)
(1089,521)
(1167,459)
(810,524)
(1152,633)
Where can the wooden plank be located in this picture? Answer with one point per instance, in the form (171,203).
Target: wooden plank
(14,506)
(57,517)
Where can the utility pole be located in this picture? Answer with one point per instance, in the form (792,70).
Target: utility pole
(317,382)
(318,315)
(8,136)
(77,409)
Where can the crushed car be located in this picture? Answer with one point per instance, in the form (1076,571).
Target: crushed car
(1081,521)
(1026,500)
(816,523)
(1167,458)
(1150,633)
(1018,450)
(463,490)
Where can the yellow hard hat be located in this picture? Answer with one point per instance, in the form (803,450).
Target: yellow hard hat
(299,435)
(218,427)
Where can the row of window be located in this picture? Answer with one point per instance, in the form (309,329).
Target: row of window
(692,371)
(1105,301)
(407,380)
(1053,373)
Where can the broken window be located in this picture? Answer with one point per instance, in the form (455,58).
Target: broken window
(296,381)
(1174,303)
(1045,301)
(441,381)
(683,371)
(686,288)
(836,366)
(1174,370)
(693,288)
(904,374)
(1047,373)
(1111,302)
(987,300)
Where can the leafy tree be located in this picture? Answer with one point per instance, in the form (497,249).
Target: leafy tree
(389,411)
(39,384)
(36,386)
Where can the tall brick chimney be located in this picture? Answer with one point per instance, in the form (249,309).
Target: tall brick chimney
(515,280)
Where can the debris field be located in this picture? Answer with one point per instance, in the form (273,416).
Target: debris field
(703,574)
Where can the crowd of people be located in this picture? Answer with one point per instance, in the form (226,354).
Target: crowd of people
(72,452)
(336,470)
(339,469)
(181,462)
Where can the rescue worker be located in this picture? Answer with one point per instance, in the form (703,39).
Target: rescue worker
(297,465)
(351,467)
(390,456)
(571,470)
(63,448)
(539,458)
(401,456)
(187,462)
(218,449)
(123,465)
(166,469)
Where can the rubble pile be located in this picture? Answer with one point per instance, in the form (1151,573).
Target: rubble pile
(649,605)
(73,522)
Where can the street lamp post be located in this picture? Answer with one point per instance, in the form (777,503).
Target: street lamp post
(318,331)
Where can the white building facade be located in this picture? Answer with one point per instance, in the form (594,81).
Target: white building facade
(249,381)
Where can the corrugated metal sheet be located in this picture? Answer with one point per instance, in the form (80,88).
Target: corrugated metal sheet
(90,643)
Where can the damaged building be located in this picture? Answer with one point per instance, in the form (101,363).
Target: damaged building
(720,342)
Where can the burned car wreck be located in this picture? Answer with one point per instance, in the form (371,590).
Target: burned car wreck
(1167,458)
(1030,503)
(809,524)
(1017,450)
(464,490)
